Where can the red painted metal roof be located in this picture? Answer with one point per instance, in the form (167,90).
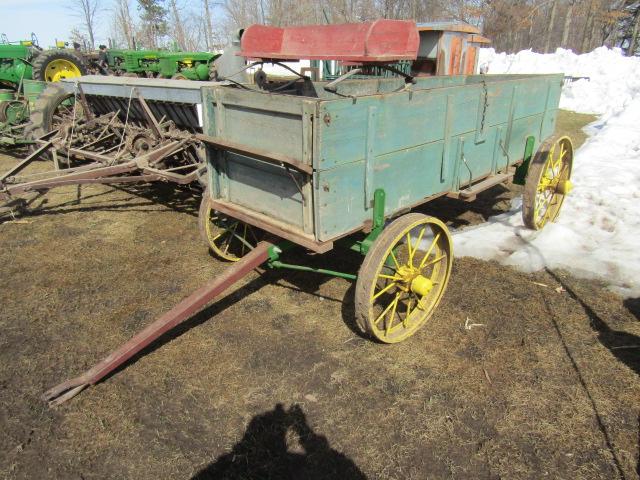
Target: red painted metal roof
(380,41)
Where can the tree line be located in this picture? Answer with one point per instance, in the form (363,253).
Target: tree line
(512,25)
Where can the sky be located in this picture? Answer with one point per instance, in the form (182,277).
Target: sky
(48,19)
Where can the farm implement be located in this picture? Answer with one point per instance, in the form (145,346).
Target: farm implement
(103,130)
(341,164)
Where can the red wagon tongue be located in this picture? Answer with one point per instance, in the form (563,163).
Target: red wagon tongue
(174,317)
(382,41)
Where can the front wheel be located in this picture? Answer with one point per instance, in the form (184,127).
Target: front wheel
(548,182)
(403,277)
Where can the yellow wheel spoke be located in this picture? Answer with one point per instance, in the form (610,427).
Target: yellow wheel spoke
(431,247)
(409,247)
(406,318)
(244,237)
(393,313)
(384,290)
(393,256)
(388,277)
(435,260)
(384,312)
(233,232)
(412,253)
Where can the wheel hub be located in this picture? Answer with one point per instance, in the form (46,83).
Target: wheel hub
(421,285)
(564,187)
(412,280)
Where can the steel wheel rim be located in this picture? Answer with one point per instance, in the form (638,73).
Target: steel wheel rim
(407,287)
(60,69)
(557,169)
(230,239)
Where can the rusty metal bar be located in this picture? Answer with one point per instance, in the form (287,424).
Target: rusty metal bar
(174,317)
(85,105)
(23,164)
(71,178)
(155,126)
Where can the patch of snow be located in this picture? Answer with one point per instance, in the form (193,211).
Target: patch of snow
(612,83)
(598,232)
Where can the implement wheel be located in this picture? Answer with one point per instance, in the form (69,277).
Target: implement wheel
(56,65)
(548,182)
(228,238)
(403,277)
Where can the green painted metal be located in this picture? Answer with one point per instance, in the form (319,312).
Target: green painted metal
(414,143)
(6,95)
(15,108)
(304,268)
(363,246)
(275,251)
(32,90)
(521,172)
(164,64)
(15,63)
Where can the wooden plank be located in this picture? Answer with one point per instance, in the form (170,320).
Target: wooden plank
(260,154)
(448,120)
(369,158)
(268,224)
(469,194)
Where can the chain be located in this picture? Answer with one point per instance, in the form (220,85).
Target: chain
(486,104)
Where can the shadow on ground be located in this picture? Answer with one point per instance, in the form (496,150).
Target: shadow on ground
(265,452)
(622,345)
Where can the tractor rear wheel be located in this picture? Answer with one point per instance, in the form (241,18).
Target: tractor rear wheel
(56,65)
(52,109)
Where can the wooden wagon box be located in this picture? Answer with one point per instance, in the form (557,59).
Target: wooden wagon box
(305,166)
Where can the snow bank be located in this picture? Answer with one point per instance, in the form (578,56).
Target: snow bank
(598,232)
(613,78)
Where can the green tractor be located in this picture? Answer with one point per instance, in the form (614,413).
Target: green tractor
(162,64)
(24,69)
(25,60)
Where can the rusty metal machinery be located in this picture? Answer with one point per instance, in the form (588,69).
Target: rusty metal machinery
(104,130)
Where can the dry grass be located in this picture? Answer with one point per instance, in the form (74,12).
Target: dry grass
(540,390)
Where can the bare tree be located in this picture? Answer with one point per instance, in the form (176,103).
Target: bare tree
(86,11)
(567,23)
(177,25)
(207,24)
(122,22)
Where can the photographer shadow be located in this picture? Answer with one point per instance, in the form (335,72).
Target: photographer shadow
(264,452)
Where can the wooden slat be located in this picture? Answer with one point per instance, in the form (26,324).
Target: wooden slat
(272,226)
(260,154)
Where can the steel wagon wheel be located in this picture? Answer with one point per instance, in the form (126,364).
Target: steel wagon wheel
(228,238)
(403,277)
(548,182)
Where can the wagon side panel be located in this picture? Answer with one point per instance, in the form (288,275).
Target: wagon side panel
(269,191)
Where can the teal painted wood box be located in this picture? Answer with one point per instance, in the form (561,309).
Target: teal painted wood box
(305,164)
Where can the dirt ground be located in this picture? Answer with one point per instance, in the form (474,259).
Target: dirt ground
(274,382)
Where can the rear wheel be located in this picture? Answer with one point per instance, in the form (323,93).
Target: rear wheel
(403,277)
(56,65)
(53,108)
(548,182)
(228,238)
